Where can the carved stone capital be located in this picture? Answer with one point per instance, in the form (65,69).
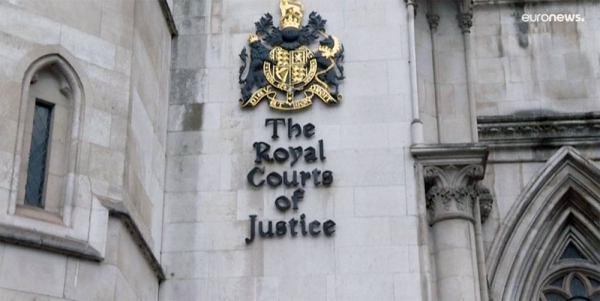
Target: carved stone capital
(452,175)
(451,191)
(434,21)
(465,22)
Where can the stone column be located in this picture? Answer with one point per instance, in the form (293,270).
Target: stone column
(465,22)
(434,20)
(450,199)
(416,125)
(452,174)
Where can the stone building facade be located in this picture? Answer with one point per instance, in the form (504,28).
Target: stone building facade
(461,163)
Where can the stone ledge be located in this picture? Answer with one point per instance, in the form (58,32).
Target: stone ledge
(496,2)
(450,153)
(554,129)
(34,239)
(118,210)
(77,248)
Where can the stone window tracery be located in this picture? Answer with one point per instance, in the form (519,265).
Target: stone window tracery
(548,250)
(572,286)
(575,281)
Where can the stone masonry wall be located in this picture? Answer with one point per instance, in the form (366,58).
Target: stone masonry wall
(31,274)
(539,68)
(374,254)
(547,66)
(425,71)
(451,77)
(121,50)
(147,133)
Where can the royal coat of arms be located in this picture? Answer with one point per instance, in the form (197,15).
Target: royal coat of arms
(288,73)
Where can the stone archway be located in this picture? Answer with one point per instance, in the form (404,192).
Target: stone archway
(561,205)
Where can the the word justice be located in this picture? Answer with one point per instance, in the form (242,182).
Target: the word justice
(284,203)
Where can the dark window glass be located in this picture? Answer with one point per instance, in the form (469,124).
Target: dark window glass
(558,282)
(571,252)
(555,297)
(578,288)
(38,155)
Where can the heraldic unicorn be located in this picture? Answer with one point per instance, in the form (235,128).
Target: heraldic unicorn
(289,67)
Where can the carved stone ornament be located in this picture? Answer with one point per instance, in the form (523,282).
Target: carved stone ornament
(532,129)
(281,67)
(434,21)
(486,201)
(451,191)
(465,21)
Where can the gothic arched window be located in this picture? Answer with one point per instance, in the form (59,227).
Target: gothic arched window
(47,127)
(548,246)
(50,203)
(48,139)
(574,281)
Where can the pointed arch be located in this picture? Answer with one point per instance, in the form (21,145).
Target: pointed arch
(51,76)
(560,205)
(71,87)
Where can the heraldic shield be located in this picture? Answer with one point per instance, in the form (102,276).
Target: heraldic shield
(290,75)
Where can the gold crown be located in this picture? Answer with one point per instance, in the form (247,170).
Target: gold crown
(291,13)
(252,38)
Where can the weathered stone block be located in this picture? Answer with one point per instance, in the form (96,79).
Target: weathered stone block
(200,207)
(365,287)
(88,48)
(372,260)
(189,86)
(281,256)
(117,28)
(379,201)
(364,232)
(28,26)
(89,280)
(404,230)
(32,270)
(189,51)
(97,127)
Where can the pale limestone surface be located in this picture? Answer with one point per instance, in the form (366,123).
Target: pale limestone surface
(209,153)
(27,273)
(163,137)
(120,50)
(555,69)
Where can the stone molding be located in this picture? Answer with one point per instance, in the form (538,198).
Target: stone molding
(166,10)
(78,248)
(434,21)
(413,3)
(452,173)
(512,130)
(117,209)
(53,243)
(563,196)
(499,2)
